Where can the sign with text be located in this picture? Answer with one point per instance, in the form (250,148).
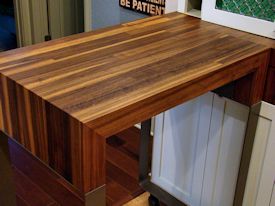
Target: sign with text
(151,7)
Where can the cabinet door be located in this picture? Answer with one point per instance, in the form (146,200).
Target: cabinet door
(224,150)
(179,151)
(197,149)
(261,175)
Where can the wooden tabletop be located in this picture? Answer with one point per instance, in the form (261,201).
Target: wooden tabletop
(112,78)
(97,74)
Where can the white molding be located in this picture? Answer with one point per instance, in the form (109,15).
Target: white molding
(17,23)
(152,126)
(23,22)
(39,20)
(236,21)
(182,5)
(171,6)
(88,15)
(183,8)
(31,21)
(66,17)
(55,17)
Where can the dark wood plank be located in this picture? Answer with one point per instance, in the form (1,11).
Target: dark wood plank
(124,179)
(242,89)
(31,189)
(132,138)
(272,58)
(43,177)
(121,160)
(21,202)
(27,190)
(270,86)
(117,193)
(127,148)
(7,189)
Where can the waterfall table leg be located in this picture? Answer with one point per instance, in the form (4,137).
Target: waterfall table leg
(7,192)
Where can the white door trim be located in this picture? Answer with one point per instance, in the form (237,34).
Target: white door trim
(23,24)
(30,30)
(236,21)
(88,15)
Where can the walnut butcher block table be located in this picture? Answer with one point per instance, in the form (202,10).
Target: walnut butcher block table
(62,99)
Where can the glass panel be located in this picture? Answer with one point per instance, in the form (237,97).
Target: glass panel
(261,9)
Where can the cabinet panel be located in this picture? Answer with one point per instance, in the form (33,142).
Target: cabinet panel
(179,152)
(227,131)
(197,150)
(261,175)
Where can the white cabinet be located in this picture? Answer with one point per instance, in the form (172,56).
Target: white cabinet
(260,181)
(197,149)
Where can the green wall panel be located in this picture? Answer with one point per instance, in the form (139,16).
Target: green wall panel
(261,9)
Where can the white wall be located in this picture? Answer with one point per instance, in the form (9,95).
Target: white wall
(108,13)
(171,6)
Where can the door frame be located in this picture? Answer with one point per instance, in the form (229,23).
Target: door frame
(244,23)
(33,30)
(87,15)
(30,30)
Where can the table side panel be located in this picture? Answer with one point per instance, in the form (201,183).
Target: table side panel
(47,132)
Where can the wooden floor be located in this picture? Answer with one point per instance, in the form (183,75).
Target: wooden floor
(141,200)
(122,167)
(122,175)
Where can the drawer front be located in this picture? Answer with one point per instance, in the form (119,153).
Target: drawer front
(269,95)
